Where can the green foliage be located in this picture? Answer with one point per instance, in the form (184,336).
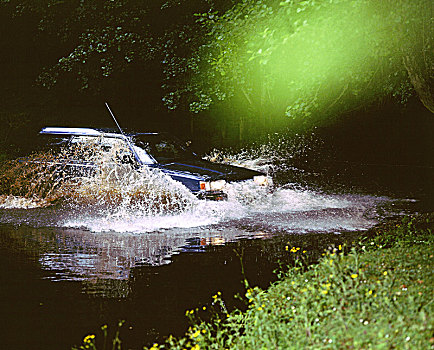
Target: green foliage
(305,58)
(103,38)
(99,40)
(111,35)
(293,58)
(408,232)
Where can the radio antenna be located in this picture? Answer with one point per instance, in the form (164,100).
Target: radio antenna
(125,137)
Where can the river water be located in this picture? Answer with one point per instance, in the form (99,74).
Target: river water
(70,267)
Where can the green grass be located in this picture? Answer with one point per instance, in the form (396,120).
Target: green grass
(376,295)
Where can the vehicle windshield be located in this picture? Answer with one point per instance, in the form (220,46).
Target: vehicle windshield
(162,147)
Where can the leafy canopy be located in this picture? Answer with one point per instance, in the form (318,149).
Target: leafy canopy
(97,40)
(298,58)
(306,58)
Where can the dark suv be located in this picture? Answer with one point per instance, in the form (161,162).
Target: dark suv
(154,150)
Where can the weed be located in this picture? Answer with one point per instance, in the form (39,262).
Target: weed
(90,342)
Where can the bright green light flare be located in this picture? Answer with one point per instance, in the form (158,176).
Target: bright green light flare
(321,61)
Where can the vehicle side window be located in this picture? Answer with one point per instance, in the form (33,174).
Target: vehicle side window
(166,149)
(162,149)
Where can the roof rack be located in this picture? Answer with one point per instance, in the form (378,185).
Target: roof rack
(70,131)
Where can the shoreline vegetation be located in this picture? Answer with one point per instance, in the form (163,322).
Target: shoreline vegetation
(376,294)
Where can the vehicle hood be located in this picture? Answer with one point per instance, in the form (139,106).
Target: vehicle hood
(212,171)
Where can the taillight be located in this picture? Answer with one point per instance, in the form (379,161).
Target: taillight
(204,186)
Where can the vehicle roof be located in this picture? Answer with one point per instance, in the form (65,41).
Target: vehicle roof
(56,130)
(70,131)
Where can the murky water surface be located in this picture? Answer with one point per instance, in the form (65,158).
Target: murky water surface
(141,248)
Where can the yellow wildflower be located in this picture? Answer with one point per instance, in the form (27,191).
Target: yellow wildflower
(354,275)
(89,338)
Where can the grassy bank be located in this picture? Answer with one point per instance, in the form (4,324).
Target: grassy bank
(378,294)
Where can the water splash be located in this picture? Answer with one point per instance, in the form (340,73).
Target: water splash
(115,197)
(285,157)
(251,208)
(29,182)
(16,202)
(104,181)
(278,148)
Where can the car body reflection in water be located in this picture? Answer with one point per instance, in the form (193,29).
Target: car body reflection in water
(103,261)
(199,243)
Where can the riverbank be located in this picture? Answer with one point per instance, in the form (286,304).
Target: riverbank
(376,294)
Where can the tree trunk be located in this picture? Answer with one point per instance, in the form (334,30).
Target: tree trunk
(422,83)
